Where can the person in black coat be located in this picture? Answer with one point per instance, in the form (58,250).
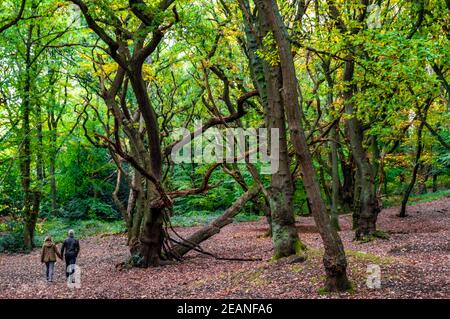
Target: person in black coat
(70,250)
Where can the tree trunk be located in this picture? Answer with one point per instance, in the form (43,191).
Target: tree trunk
(52,126)
(284,233)
(152,234)
(268,80)
(382,182)
(335,179)
(435,186)
(53,189)
(356,205)
(375,162)
(368,204)
(25,149)
(152,237)
(40,171)
(135,211)
(334,257)
(323,182)
(348,185)
(410,187)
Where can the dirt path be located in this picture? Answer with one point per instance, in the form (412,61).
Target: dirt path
(415,263)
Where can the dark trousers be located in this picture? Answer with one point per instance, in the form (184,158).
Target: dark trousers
(71,259)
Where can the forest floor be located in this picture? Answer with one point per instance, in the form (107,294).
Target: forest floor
(414,262)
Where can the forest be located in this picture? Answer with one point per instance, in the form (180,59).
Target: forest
(225,148)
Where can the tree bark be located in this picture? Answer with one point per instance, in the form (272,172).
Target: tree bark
(284,233)
(417,165)
(435,186)
(348,184)
(368,205)
(152,235)
(52,126)
(25,150)
(335,179)
(334,257)
(53,187)
(268,81)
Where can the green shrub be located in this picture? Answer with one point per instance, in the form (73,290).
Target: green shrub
(75,209)
(11,236)
(11,242)
(90,208)
(101,210)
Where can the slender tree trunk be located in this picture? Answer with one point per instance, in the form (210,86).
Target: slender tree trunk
(348,185)
(375,162)
(334,257)
(39,149)
(435,186)
(52,126)
(256,66)
(284,233)
(268,80)
(135,211)
(356,205)
(25,169)
(417,165)
(323,182)
(335,179)
(382,183)
(53,188)
(25,150)
(40,171)
(369,209)
(52,123)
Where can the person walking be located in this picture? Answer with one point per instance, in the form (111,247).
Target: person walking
(48,256)
(70,250)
